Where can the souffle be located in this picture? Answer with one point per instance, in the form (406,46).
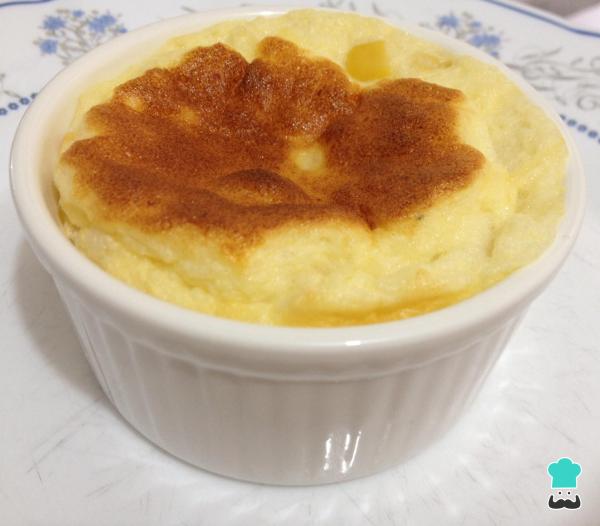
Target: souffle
(310,169)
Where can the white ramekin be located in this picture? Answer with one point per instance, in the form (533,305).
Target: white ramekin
(270,404)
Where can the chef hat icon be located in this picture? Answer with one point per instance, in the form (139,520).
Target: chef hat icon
(564,473)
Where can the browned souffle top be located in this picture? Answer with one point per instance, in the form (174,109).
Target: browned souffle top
(212,142)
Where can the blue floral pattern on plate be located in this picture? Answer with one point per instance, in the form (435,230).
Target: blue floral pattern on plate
(16,99)
(466,27)
(69,34)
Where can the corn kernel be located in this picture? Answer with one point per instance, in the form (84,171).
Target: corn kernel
(368,61)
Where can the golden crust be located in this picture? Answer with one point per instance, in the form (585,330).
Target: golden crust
(210,143)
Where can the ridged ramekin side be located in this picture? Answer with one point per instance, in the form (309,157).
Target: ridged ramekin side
(281,431)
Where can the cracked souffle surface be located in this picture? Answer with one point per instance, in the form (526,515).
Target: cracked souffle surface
(279,172)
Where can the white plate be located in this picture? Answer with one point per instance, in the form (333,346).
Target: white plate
(67,458)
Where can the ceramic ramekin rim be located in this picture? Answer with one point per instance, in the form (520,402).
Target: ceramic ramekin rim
(63,260)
